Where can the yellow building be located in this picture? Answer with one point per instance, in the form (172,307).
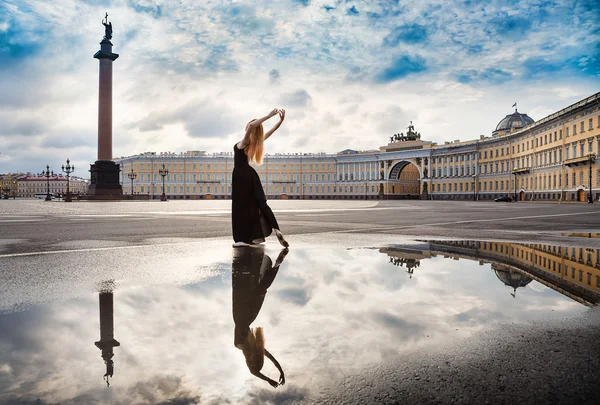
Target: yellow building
(549,159)
(9,184)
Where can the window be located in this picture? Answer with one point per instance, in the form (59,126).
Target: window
(574,129)
(581,128)
(566,132)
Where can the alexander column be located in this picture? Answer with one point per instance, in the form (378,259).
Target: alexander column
(104,172)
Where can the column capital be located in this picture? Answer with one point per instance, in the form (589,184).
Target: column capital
(105,51)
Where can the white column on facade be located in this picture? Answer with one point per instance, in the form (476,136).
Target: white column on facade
(429,166)
(471,163)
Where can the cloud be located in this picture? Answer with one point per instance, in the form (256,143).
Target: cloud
(491,76)
(352,11)
(299,98)
(297,296)
(305,3)
(409,34)
(402,328)
(400,68)
(274,76)
(513,27)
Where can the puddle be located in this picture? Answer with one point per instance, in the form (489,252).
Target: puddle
(591,235)
(324,312)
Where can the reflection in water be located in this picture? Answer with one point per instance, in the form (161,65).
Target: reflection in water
(410,262)
(574,272)
(511,277)
(107,334)
(253,273)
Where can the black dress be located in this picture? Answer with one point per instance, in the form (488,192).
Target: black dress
(251,217)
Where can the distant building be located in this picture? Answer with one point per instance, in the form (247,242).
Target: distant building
(548,159)
(28,185)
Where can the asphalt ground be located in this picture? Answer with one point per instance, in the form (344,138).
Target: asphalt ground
(57,251)
(35,225)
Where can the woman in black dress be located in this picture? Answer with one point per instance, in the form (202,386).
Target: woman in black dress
(251,218)
(252,274)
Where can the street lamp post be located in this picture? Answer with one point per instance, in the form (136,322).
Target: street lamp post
(163,171)
(366,190)
(14,189)
(591,159)
(68,169)
(47,173)
(132,175)
(515,187)
(474,176)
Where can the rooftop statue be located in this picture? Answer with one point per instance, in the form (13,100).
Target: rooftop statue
(411,135)
(107,28)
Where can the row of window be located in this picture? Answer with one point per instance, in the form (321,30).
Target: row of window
(541,182)
(270,189)
(228,165)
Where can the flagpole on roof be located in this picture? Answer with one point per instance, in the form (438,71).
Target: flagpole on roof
(515,105)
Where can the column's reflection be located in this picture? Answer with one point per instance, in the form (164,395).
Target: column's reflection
(253,273)
(107,338)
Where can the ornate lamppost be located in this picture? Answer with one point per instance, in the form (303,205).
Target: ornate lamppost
(14,189)
(132,175)
(68,169)
(591,158)
(47,173)
(163,171)
(474,176)
(366,190)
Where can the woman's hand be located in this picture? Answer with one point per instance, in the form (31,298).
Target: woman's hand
(281,115)
(282,379)
(273,113)
(273,383)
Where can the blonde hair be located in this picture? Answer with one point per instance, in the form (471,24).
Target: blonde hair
(256,147)
(254,349)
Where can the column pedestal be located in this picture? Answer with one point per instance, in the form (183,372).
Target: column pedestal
(104,184)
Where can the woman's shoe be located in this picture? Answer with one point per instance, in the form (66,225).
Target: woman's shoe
(241,244)
(281,239)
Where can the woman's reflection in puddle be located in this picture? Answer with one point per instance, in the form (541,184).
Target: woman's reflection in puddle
(252,273)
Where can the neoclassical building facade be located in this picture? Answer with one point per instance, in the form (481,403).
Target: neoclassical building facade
(553,158)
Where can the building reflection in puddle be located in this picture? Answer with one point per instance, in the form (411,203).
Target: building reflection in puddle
(107,340)
(252,274)
(573,272)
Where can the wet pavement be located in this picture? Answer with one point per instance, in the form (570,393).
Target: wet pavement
(393,320)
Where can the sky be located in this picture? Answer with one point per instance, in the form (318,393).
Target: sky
(349,74)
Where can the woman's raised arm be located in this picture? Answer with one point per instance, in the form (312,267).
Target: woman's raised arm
(253,124)
(276,126)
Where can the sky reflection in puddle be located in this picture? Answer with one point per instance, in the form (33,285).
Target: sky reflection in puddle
(325,312)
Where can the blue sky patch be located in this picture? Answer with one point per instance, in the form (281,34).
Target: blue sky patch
(401,67)
(409,34)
